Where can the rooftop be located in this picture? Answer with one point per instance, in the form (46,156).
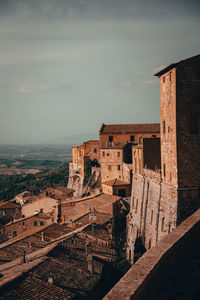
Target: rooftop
(173,65)
(129,128)
(62,189)
(8,204)
(115,181)
(29,286)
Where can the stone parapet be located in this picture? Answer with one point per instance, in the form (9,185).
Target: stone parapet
(146,279)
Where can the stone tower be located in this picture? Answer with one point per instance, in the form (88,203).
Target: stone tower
(163,197)
(180,132)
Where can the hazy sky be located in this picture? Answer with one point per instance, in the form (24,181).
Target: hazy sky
(66,66)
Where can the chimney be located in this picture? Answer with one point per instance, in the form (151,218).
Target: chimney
(90,263)
(42,236)
(50,278)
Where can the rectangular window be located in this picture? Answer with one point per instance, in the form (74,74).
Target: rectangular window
(109,167)
(169,228)
(22,223)
(118,167)
(136,207)
(132,202)
(163,223)
(170,76)
(164,170)
(35,223)
(108,154)
(3,212)
(163,126)
(41,223)
(14,233)
(163,79)
(110,138)
(151,216)
(103,153)
(149,243)
(118,154)
(95,150)
(132,138)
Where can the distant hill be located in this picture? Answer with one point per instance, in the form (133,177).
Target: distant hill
(75,139)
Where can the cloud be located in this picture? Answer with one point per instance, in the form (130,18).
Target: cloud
(108,94)
(126,83)
(93,9)
(33,85)
(149,82)
(29,86)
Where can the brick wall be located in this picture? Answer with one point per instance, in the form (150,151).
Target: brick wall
(111,164)
(153,211)
(168,271)
(125,137)
(188,117)
(151,153)
(168,127)
(25,225)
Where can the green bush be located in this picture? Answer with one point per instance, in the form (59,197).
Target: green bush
(88,171)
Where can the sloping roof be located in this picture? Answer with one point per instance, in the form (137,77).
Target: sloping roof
(29,287)
(173,65)
(8,204)
(115,181)
(129,128)
(63,189)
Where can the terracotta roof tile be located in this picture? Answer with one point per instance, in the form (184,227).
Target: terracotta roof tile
(130,128)
(8,204)
(173,65)
(115,181)
(29,287)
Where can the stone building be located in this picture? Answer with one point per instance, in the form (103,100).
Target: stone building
(116,162)
(80,155)
(117,187)
(24,225)
(165,187)
(10,210)
(126,133)
(116,142)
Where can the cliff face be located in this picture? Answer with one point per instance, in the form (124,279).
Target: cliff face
(75,181)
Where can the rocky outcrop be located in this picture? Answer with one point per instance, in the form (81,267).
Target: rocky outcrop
(75,181)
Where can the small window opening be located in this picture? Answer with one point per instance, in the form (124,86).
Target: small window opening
(132,138)
(163,126)
(163,223)
(110,138)
(136,205)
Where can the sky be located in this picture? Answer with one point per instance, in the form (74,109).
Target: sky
(67,66)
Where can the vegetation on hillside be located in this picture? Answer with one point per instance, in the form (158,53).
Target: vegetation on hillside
(29,163)
(13,185)
(88,171)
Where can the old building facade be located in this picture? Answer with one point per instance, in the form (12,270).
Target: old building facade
(116,142)
(81,153)
(165,189)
